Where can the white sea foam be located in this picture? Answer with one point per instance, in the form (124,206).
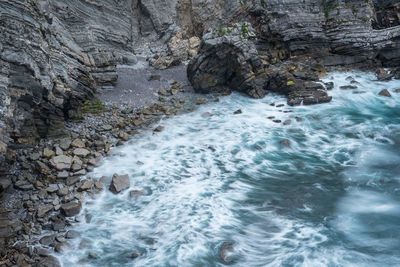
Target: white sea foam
(227,178)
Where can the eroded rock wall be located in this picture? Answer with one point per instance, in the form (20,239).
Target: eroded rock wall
(53,54)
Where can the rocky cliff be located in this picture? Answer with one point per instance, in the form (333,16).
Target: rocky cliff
(55,53)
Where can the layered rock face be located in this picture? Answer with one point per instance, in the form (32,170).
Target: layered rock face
(331,32)
(228,60)
(53,54)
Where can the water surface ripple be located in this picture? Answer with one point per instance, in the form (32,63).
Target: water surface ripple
(320,189)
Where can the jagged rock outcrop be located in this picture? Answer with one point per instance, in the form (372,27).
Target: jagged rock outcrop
(336,31)
(63,50)
(331,32)
(228,60)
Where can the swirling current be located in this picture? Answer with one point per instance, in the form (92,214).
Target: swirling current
(272,186)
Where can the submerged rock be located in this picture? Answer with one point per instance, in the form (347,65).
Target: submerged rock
(385,92)
(348,87)
(119,183)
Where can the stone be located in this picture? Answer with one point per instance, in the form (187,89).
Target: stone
(49,261)
(43,210)
(287,122)
(86,185)
(59,247)
(52,188)
(123,136)
(385,92)
(42,167)
(47,240)
(119,183)
(63,175)
(81,152)
(106,127)
(61,162)
(48,153)
(42,252)
(159,128)
(71,209)
(59,151)
(71,180)
(78,143)
(200,101)
(383,75)
(154,77)
(239,111)
(65,144)
(63,191)
(80,173)
(134,194)
(285,143)
(71,234)
(348,87)
(98,185)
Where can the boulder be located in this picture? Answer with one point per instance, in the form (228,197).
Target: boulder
(228,60)
(119,183)
(385,92)
(61,162)
(71,209)
(81,152)
(48,153)
(78,143)
(43,210)
(86,185)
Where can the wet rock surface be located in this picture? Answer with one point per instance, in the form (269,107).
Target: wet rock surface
(229,60)
(119,183)
(43,190)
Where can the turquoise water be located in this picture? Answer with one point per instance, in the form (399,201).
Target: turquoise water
(321,189)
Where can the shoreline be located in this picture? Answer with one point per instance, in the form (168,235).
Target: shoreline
(46,190)
(49,191)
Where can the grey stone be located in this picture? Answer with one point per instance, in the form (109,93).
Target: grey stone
(71,234)
(63,175)
(86,185)
(119,183)
(43,210)
(385,92)
(48,153)
(71,209)
(78,143)
(61,162)
(81,152)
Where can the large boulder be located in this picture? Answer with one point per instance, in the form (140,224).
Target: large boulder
(61,162)
(71,209)
(228,60)
(299,89)
(119,183)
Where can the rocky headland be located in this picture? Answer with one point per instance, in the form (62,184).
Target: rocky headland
(79,77)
